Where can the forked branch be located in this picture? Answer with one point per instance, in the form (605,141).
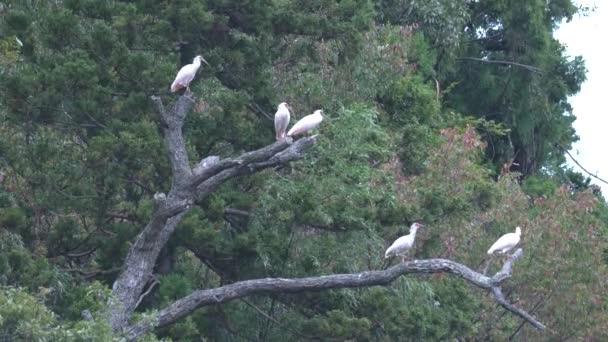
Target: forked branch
(188,185)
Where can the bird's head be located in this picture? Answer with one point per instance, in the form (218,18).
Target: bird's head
(286,105)
(518,230)
(201,59)
(415,226)
(319,112)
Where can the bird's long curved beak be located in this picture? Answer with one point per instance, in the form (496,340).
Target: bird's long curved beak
(204,61)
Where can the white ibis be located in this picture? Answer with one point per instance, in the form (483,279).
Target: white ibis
(281,120)
(404,243)
(186,74)
(506,242)
(307,123)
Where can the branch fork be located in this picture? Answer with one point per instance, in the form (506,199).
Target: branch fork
(187,186)
(193,184)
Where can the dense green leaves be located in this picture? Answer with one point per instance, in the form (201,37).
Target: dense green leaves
(81,155)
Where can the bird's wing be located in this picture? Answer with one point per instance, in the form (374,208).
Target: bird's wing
(398,245)
(305,124)
(184,76)
(506,241)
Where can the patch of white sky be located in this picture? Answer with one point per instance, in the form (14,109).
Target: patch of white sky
(586,36)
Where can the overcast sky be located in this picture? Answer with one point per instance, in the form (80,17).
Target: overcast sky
(587,37)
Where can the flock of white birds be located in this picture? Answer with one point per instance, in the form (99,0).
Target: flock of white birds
(281,118)
(400,247)
(281,121)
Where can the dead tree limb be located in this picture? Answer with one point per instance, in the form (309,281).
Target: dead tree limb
(223,294)
(238,212)
(582,168)
(488,61)
(187,186)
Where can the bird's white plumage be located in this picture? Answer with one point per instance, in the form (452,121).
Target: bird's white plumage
(307,123)
(186,74)
(404,243)
(506,242)
(281,120)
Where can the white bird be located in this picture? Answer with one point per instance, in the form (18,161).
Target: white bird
(506,242)
(306,123)
(281,120)
(186,74)
(404,243)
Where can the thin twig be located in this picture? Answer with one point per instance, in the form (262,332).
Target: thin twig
(256,108)
(91,274)
(500,298)
(154,283)
(81,254)
(261,312)
(487,61)
(232,211)
(523,322)
(581,166)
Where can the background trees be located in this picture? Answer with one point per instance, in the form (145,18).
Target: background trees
(82,155)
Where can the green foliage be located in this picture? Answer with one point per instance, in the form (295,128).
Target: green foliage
(537,186)
(24,317)
(532,103)
(82,153)
(410,99)
(439,19)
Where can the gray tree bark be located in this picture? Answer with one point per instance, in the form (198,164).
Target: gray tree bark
(188,304)
(191,184)
(187,187)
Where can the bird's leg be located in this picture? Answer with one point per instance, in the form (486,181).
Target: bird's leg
(502,257)
(485,269)
(188,92)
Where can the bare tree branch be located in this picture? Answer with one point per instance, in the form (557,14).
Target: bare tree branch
(523,322)
(187,187)
(487,61)
(505,271)
(246,158)
(81,254)
(174,139)
(245,288)
(250,163)
(271,319)
(582,168)
(233,211)
(154,283)
(500,298)
(92,274)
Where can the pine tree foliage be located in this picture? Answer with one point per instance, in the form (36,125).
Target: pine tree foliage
(450,112)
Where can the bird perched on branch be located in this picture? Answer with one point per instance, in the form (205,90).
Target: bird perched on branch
(186,74)
(281,120)
(404,243)
(307,123)
(506,242)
